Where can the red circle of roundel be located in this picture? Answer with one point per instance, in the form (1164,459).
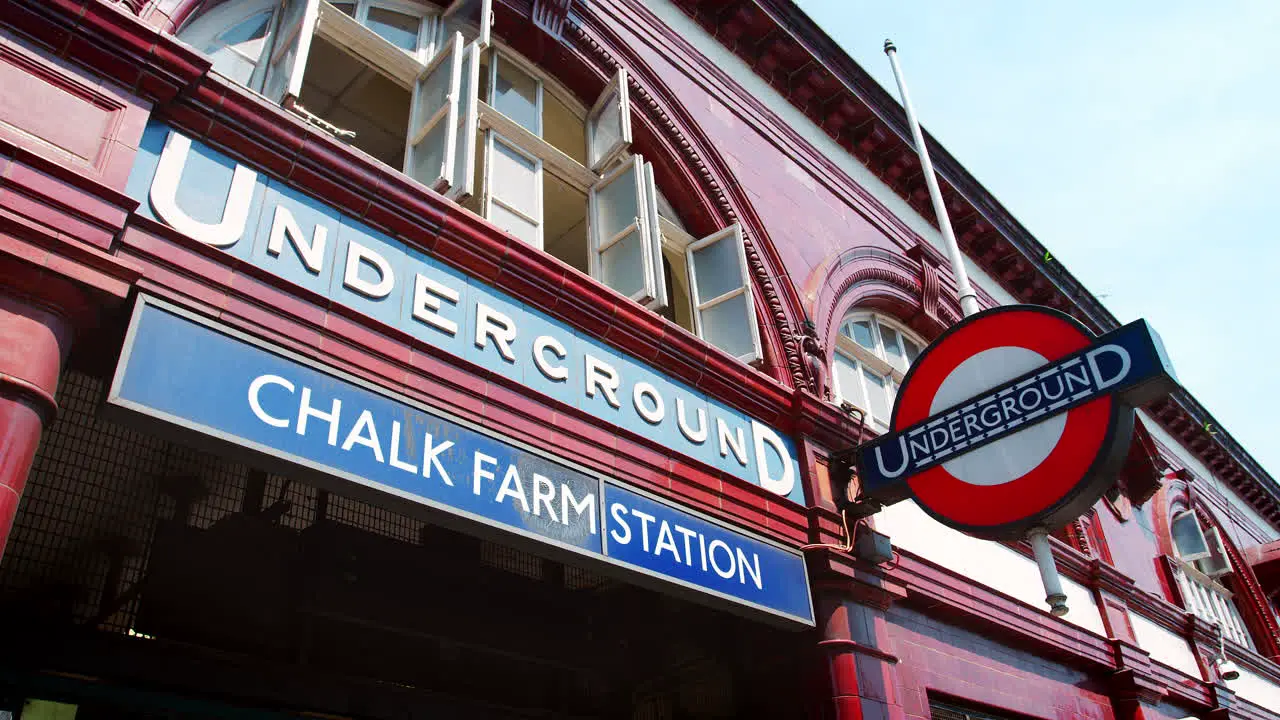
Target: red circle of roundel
(1052,335)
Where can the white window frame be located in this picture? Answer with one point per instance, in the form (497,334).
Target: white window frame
(492,138)
(495,56)
(701,305)
(451,57)
(877,361)
(468,125)
(617,87)
(1195,521)
(281,42)
(429,35)
(206,28)
(1209,600)
(660,297)
(641,226)
(368,46)
(483,36)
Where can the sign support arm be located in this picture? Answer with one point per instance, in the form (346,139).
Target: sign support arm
(969,306)
(1054,595)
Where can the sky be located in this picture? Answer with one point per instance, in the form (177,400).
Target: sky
(1139,141)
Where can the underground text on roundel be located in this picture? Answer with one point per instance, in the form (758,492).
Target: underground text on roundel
(1122,360)
(243,393)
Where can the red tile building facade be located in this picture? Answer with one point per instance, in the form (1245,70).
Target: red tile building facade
(147,574)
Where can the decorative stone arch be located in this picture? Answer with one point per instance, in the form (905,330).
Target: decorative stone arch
(1250,599)
(874,278)
(698,182)
(714,197)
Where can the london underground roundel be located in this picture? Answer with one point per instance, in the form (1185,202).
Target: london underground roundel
(1015,418)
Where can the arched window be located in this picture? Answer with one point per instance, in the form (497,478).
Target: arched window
(1202,571)
(430,91)
(872,356)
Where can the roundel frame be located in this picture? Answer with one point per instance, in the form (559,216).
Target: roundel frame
(1092,446)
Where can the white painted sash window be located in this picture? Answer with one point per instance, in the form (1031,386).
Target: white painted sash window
(723,306)
(513,188)
(1199,570)
(872,356)
(440,150)
(432,95)
(622,254)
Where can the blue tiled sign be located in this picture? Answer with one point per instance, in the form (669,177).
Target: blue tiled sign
(191,372)
(215,200)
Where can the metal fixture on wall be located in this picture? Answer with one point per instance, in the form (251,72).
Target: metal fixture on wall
(1039,538)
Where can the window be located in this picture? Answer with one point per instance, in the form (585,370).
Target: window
(872,356)
(430,94)
(1200,569)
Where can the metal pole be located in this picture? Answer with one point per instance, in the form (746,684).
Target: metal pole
(968,298)
(1054,596)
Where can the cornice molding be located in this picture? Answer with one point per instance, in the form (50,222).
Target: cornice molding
(781,304)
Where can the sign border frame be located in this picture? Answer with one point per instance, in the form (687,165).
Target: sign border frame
(1112,451)
(192,433)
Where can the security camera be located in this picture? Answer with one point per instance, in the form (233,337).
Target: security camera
(1228,670)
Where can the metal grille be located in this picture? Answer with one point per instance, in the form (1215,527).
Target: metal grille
(942,710)
(82,536)
(88,510)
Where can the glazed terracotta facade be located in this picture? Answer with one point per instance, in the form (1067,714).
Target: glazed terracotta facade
(836,218)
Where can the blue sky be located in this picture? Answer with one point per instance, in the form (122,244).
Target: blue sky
(1139,141)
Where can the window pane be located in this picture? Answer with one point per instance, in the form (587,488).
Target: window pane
(516,95)
(727,325)
(878,400)
(348,8)
(623,264)
(433,92)
(513,178)
(428,155)
(396,28)
(718,269)
(616,204)
(849,382)
(1187,537)
(608,128)
(513,224)
(913,350)
(860,332)
(893,353)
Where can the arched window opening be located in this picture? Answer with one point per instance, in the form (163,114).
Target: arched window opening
(1202,572)
(429,91)
(873,354)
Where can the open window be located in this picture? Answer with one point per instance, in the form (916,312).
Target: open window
(1217,563)
(473,18)
(406,25)
(1188,538)
(660,268)
(433,95)
(287,62)
(622,250)
(437,117)
(513,188)
(720,286)
(609,124)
